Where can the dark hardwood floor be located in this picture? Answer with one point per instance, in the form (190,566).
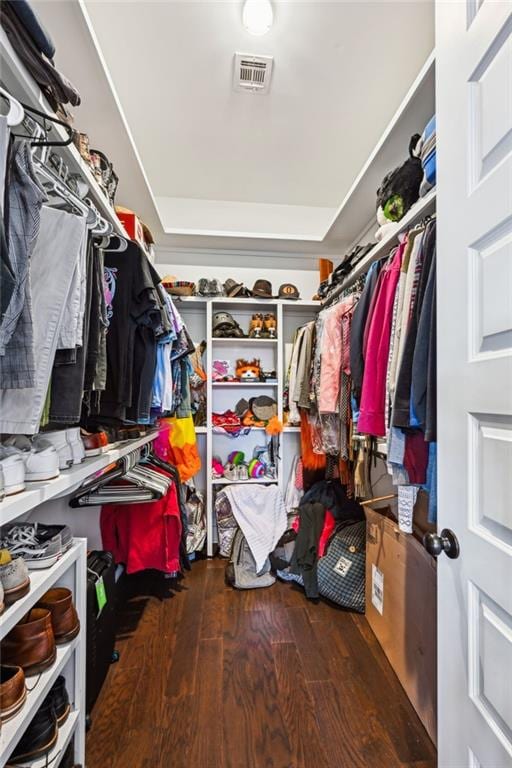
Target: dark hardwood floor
(215,678)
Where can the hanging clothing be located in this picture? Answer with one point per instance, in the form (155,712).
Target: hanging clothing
(373,394)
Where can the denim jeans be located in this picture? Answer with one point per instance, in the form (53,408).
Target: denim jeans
(51,269)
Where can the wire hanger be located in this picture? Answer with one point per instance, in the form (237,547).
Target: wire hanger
(16,113)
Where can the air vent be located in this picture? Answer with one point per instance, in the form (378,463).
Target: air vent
(252,73)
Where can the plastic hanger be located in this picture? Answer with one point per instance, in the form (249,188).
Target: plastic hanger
(16,112)
(123,245)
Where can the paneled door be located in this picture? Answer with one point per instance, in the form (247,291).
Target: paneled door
(474,268)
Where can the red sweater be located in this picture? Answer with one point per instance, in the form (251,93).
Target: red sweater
(145,535)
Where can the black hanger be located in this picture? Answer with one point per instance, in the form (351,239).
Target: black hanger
(38,143)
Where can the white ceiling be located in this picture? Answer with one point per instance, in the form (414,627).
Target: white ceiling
(222,163)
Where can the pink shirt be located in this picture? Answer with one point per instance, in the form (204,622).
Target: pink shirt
(373,394)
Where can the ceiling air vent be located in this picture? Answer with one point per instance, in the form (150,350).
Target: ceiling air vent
(252,73)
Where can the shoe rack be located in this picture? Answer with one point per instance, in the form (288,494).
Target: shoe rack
(274,354)
(69,571)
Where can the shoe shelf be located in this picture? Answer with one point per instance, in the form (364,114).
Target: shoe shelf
(68,480)
(56,754)
(38,687)
(71,569)
(40,582)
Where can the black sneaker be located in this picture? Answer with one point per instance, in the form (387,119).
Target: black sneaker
(39,738)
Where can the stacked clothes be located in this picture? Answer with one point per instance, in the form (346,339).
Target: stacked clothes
(427,152)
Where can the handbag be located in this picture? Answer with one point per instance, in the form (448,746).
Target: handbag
(342,571)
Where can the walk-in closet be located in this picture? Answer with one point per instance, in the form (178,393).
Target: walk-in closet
(255,384)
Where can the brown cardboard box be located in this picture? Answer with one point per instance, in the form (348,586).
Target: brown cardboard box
(401,608)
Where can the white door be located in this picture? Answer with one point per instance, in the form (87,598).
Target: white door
(474,267)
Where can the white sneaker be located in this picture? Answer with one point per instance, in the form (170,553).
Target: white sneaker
(13,470)
(60,442)
(40,457)
(77,446)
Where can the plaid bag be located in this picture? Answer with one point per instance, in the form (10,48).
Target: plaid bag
(341,572)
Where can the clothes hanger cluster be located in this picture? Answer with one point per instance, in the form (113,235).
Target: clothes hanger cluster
(133,479)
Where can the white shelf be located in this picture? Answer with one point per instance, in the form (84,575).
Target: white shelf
(13,729)
(253,481)
(244,340)
(285,303)
(36,493)
(21,84)
(40,582)
(244,383)
(291,429)
(357,209)
(419,210)
(200,430)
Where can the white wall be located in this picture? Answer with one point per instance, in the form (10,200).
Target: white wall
(305,280)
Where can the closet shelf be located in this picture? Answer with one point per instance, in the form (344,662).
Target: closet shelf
(356,214)
(40,582)
(298,305)
(19,82)
(253,481)
(36,493)
(423,207)
(200,430)
(13,729)
(244,383)
(243,341)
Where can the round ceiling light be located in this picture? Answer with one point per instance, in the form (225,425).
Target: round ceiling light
(257,16)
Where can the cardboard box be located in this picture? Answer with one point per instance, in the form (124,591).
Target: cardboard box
(401,608)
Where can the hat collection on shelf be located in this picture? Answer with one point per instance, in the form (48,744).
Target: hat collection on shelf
(231,289)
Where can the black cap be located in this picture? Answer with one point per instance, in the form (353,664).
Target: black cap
(262,289)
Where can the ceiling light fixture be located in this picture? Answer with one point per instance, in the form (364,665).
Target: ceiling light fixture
(257,16)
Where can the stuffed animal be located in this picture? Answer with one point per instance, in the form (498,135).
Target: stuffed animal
(270,325)
(248,371)
(256,326)
(399,191)
(221,370)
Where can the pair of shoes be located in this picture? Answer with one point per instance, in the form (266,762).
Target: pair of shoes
(43,731)
(263,326)
(39,545)
(95,443)
(68,444)
(14,579)
(237,472)
(31,644)
(22,460)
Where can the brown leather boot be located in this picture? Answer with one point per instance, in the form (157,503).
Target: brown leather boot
(12,691)
(65,623)
(31,644)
